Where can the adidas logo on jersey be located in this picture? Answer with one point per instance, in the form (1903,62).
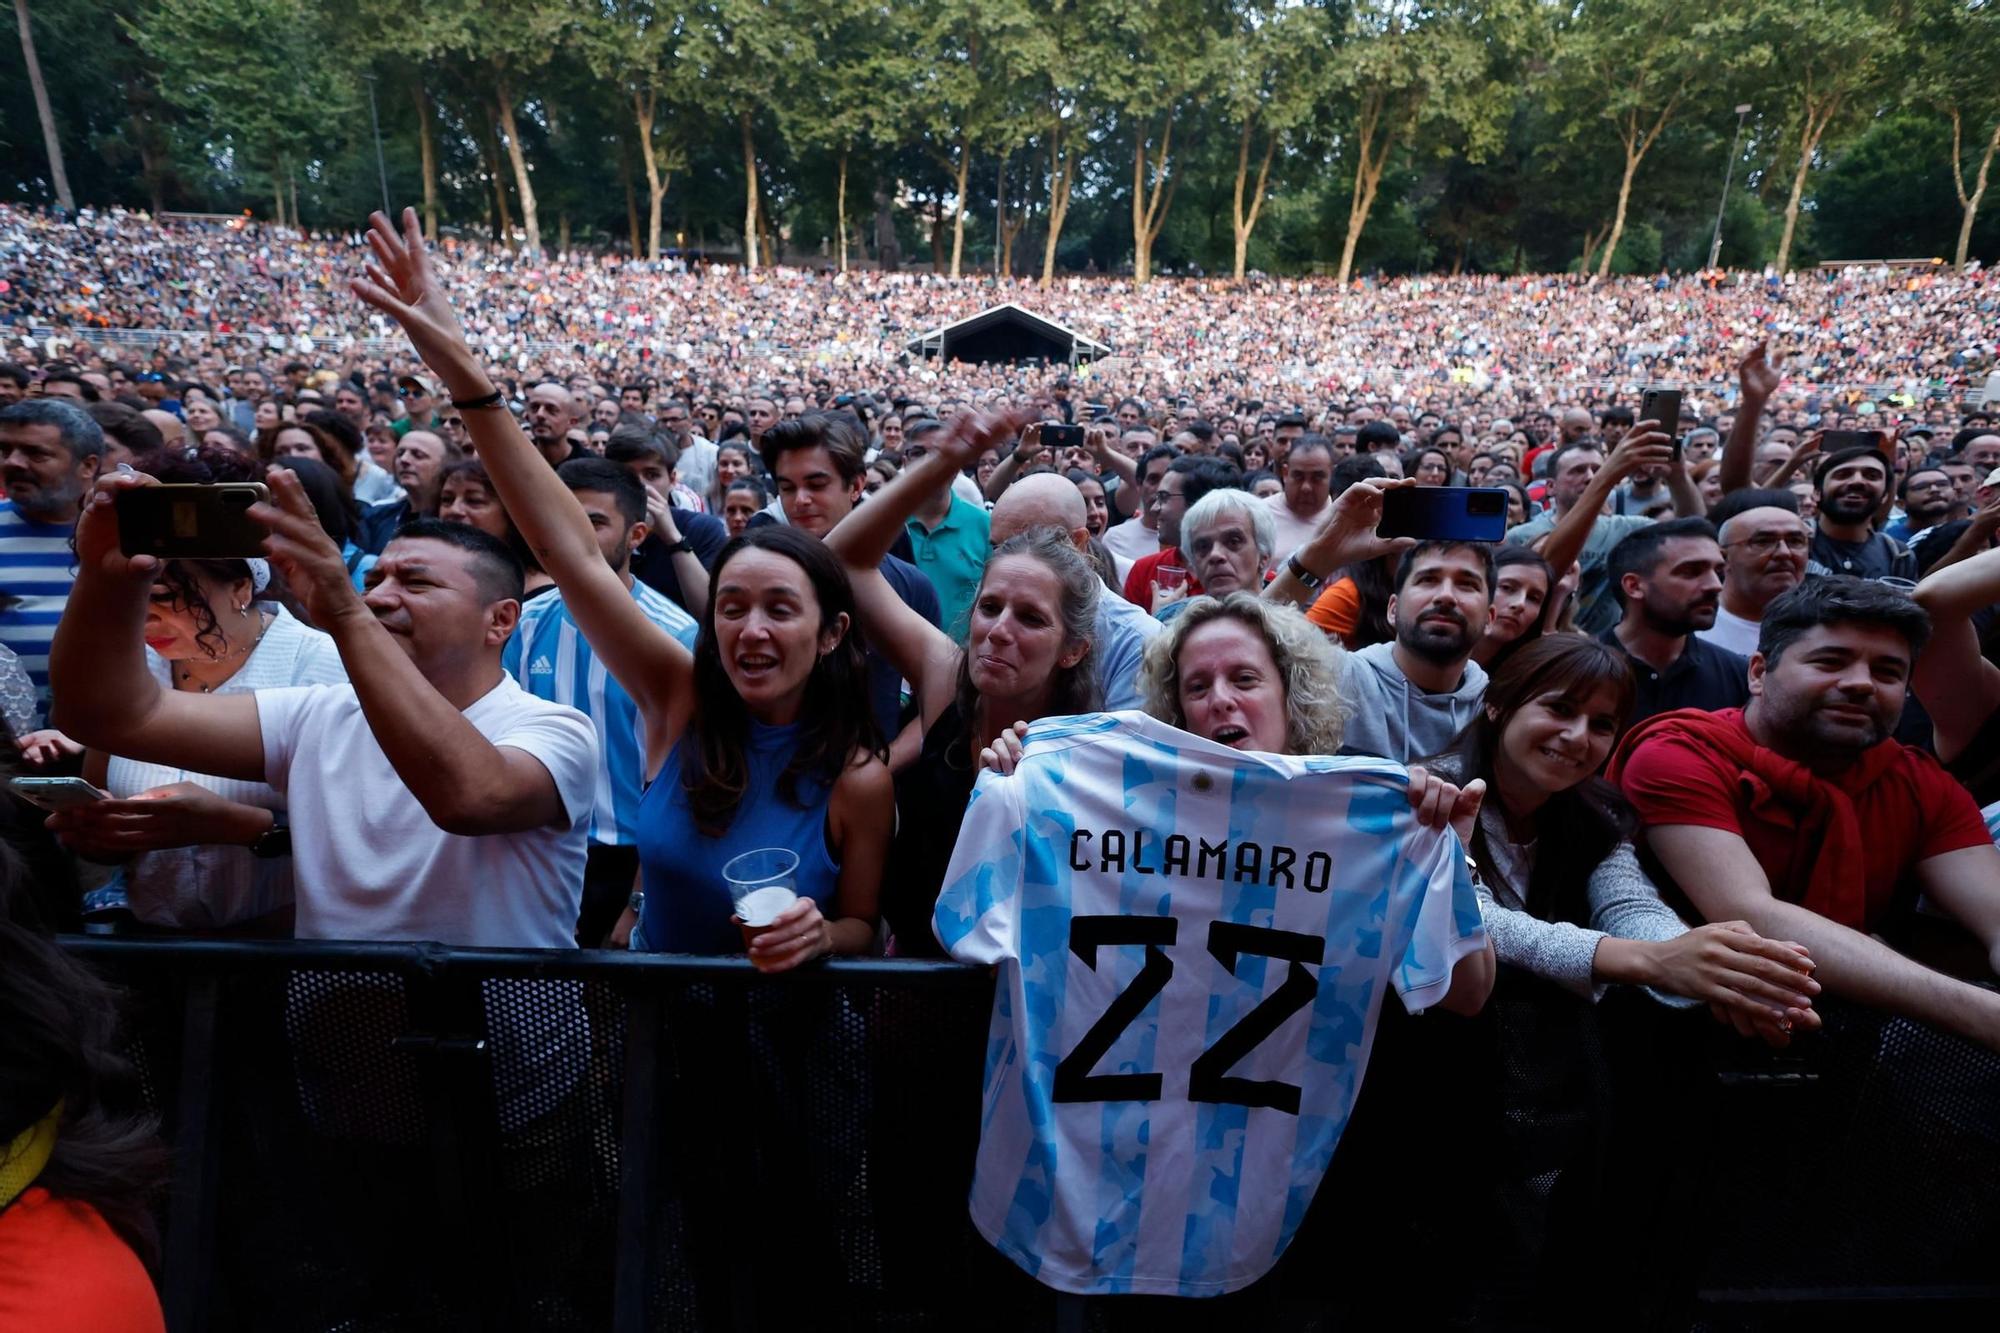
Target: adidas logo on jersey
(542,667)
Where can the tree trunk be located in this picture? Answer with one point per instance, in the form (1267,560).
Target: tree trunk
(1367,178)
(633,242)
(428,147)
(562,233)
(296,223)
(1618,215)
(523,187)
(1150,204)
(58,177)
(888,249)
(840,210)
(505,236)
(1062,168)
(937,236)
(278,186)
(1244,223)
(1817,119)
(750,211)
(1968,203)
(1636,148)
(645,105)
(1591,240)
(959,187)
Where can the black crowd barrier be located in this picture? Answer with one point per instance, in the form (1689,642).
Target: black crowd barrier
(409,1137)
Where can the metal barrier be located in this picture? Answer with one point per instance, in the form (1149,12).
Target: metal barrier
(412,1137)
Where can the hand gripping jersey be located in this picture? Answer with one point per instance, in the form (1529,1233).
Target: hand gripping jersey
(1194,943)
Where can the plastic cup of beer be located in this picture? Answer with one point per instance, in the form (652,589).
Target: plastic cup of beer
(1170,577)
(762,884)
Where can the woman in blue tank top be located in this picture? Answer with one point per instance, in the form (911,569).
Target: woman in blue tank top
(761,737)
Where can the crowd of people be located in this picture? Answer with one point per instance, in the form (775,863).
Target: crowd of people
(541,641)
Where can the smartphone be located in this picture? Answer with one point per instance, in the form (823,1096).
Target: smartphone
(191,522)
(1062,437)
(1878,440)
(57,793)
(1448,513)
(1663,406)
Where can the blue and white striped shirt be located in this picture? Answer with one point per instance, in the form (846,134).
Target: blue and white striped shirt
(36,571)
(551,659)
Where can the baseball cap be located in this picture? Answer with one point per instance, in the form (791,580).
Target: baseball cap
(413,384)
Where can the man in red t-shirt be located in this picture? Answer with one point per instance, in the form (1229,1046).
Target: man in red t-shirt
(1800,816)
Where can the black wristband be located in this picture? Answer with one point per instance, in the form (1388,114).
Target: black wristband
(682,545)
(493,399)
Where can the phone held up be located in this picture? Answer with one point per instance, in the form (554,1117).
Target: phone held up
(1834,441)
(1663,406)
(1445,513)
(1061,437)
(192,522)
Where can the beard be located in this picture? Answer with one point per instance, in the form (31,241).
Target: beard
(1439,637)
(1848,507)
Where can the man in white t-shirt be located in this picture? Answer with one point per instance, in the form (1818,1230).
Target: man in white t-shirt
(1298,511)
(431,798)
(1764,549)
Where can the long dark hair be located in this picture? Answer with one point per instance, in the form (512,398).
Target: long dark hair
(58,1042)
(1582,825)
(1375,582)
(1508,556)
(835,718)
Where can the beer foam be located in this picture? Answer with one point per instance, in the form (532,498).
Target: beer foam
(760,907)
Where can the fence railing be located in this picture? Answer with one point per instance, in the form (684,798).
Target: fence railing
(407,1136)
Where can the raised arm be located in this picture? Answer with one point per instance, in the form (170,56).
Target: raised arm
(650,663)
(1757,378)
(925,655)
(104,696)
(1959,688)
(465,783)
(1643,446)
(1720,876)
(1345,538)
(1100,439)
(1024,452)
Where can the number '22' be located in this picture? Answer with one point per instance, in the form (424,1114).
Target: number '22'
(1208,1077)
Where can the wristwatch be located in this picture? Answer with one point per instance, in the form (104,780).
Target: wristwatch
(1312,581)
(637,901)
(682,545)
(273,841)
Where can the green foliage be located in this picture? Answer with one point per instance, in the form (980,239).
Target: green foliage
(1497,132)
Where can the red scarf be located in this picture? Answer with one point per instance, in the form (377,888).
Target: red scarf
(1827,856)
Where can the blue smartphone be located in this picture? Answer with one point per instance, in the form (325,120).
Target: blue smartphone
(1445,513)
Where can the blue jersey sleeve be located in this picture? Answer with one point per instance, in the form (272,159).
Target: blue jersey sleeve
(1443,911)
(976,911)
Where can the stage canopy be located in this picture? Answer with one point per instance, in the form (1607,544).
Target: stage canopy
(1007,333)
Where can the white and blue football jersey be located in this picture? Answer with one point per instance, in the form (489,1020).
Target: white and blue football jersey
(1194,943)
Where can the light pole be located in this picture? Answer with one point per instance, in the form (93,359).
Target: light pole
(375,121)
(1728,174)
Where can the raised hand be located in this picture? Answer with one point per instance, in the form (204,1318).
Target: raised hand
(402,285)
(97,530)
(1440,804)
(1644,446)
(1349,533)
(1758,374)
(312,565)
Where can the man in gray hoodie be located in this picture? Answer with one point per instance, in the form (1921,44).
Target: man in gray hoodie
(1410,697)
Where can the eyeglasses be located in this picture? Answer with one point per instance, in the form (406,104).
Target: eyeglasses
(1766,542)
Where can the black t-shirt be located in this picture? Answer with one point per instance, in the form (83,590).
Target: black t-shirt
(1877,558)
(653,563)
(1705,676)
(931,796)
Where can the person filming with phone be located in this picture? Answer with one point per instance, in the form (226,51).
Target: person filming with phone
(430,799)
(198,851)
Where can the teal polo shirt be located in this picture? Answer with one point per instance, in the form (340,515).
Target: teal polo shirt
(953,557)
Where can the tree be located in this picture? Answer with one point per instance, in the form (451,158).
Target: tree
(270,101)
(1636,64)
(1827,58)
(744,53)
(58,177)
(1958,50)
(636,45)
(1169,46)
(1266,88)
(1405,70)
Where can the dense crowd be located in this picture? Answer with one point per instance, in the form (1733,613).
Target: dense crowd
(543,642)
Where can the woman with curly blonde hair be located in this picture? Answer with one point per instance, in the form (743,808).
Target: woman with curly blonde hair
(1248,674)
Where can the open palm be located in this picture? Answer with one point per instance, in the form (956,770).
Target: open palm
(402,285)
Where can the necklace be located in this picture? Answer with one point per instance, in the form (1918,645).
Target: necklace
(184,674)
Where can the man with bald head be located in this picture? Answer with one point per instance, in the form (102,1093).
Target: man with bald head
(172,433)
(551,414)
(1764,545)
(1123,628)
(421,458)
